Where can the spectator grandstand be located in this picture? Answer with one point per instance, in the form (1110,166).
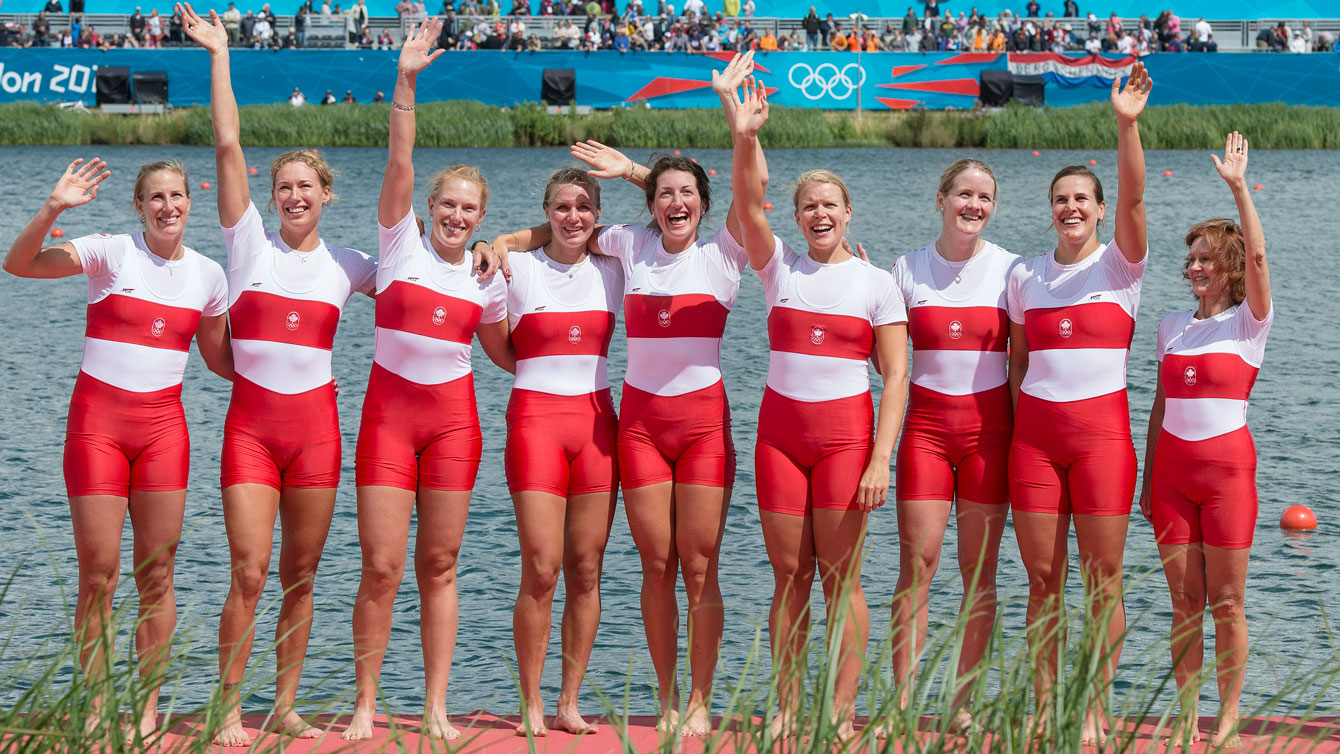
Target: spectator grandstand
(626,25)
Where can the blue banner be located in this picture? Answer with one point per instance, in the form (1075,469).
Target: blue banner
(836,81)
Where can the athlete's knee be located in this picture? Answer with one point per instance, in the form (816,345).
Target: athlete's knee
(699,567)
(436,570)
(794,575)
(583,576)
(297,577)
(249,581)
(154,577)
(917,567)
(539,577)
(1227,606)
(980,578)
(660,569)
(98,576)
(1045,580)
(382,576)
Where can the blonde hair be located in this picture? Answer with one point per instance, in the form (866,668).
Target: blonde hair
(150,169)
(1227,249)
(463,172)
(959,167)
(811,177)
(324,175)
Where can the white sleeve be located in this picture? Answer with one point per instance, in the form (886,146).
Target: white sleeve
(394,247)
(1014,293)
(100,255)
(518,285)
(620,241)
(772,272)
(362,271)
(495,301)
(886,300)
(245,241)
(216,288)
(1161,341)
(902,279)
(1121,272)
(730,252)
(1251,332)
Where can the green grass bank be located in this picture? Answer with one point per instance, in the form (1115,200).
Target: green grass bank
(471,124)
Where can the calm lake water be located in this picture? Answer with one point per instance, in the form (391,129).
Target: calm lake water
(1294,418)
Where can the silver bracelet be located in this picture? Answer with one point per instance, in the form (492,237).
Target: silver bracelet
(399,106)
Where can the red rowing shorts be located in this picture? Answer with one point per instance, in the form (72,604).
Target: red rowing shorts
(955,445)
(561,444)
(117,440)
(415,435)
(1073,456)
(680,438)
(281,440)
(811,454)
(1205,490)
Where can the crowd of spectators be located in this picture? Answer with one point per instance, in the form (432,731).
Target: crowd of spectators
(602,25)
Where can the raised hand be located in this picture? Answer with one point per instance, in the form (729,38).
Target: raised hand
(751,112)
(79,185)
(605,162)
(736,72)
(208,34)
(417,52)
(1233,168)
(1129,101)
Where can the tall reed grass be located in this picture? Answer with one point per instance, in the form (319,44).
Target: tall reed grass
(43,697)
(471,124)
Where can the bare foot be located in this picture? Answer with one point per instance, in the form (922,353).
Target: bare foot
(783,726)
(669,722)
(962,723)
(360,727)
(230,731)
(291,724)
(1183,732)
(1093,733)
(1038,728)
(888,727)
(697,723)
(147,731)
(570,720)
(1226,735)
(846,730)
(532,720)
(436,725)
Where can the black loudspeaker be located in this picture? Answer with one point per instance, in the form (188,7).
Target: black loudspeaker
(997,88)
(1030,90)
(151,87)
(113,85)
(558,86)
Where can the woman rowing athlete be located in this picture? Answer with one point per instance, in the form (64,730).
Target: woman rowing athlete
(126,444)
(1072,314)
(286,292)
(1199,486)
(419,443)
(955,446)
(818,472)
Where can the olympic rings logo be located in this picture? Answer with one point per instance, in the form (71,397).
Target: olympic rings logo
(827,79)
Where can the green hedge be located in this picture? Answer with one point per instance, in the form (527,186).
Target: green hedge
(472,124)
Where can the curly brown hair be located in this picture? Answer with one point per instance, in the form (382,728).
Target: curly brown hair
(1224,238)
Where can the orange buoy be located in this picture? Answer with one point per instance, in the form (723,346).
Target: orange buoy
(676,152)
(693,159)
(204,184)
(1257,187)
(1093,162)
(251,171)
(1298,518)
(57,233)
(712,172)
(316,151)
(767,206)
(1035,153)
(1167,174)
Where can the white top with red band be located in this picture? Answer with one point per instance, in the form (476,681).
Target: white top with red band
(428,309)
(143,310)
(821,320)
(1207,367)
